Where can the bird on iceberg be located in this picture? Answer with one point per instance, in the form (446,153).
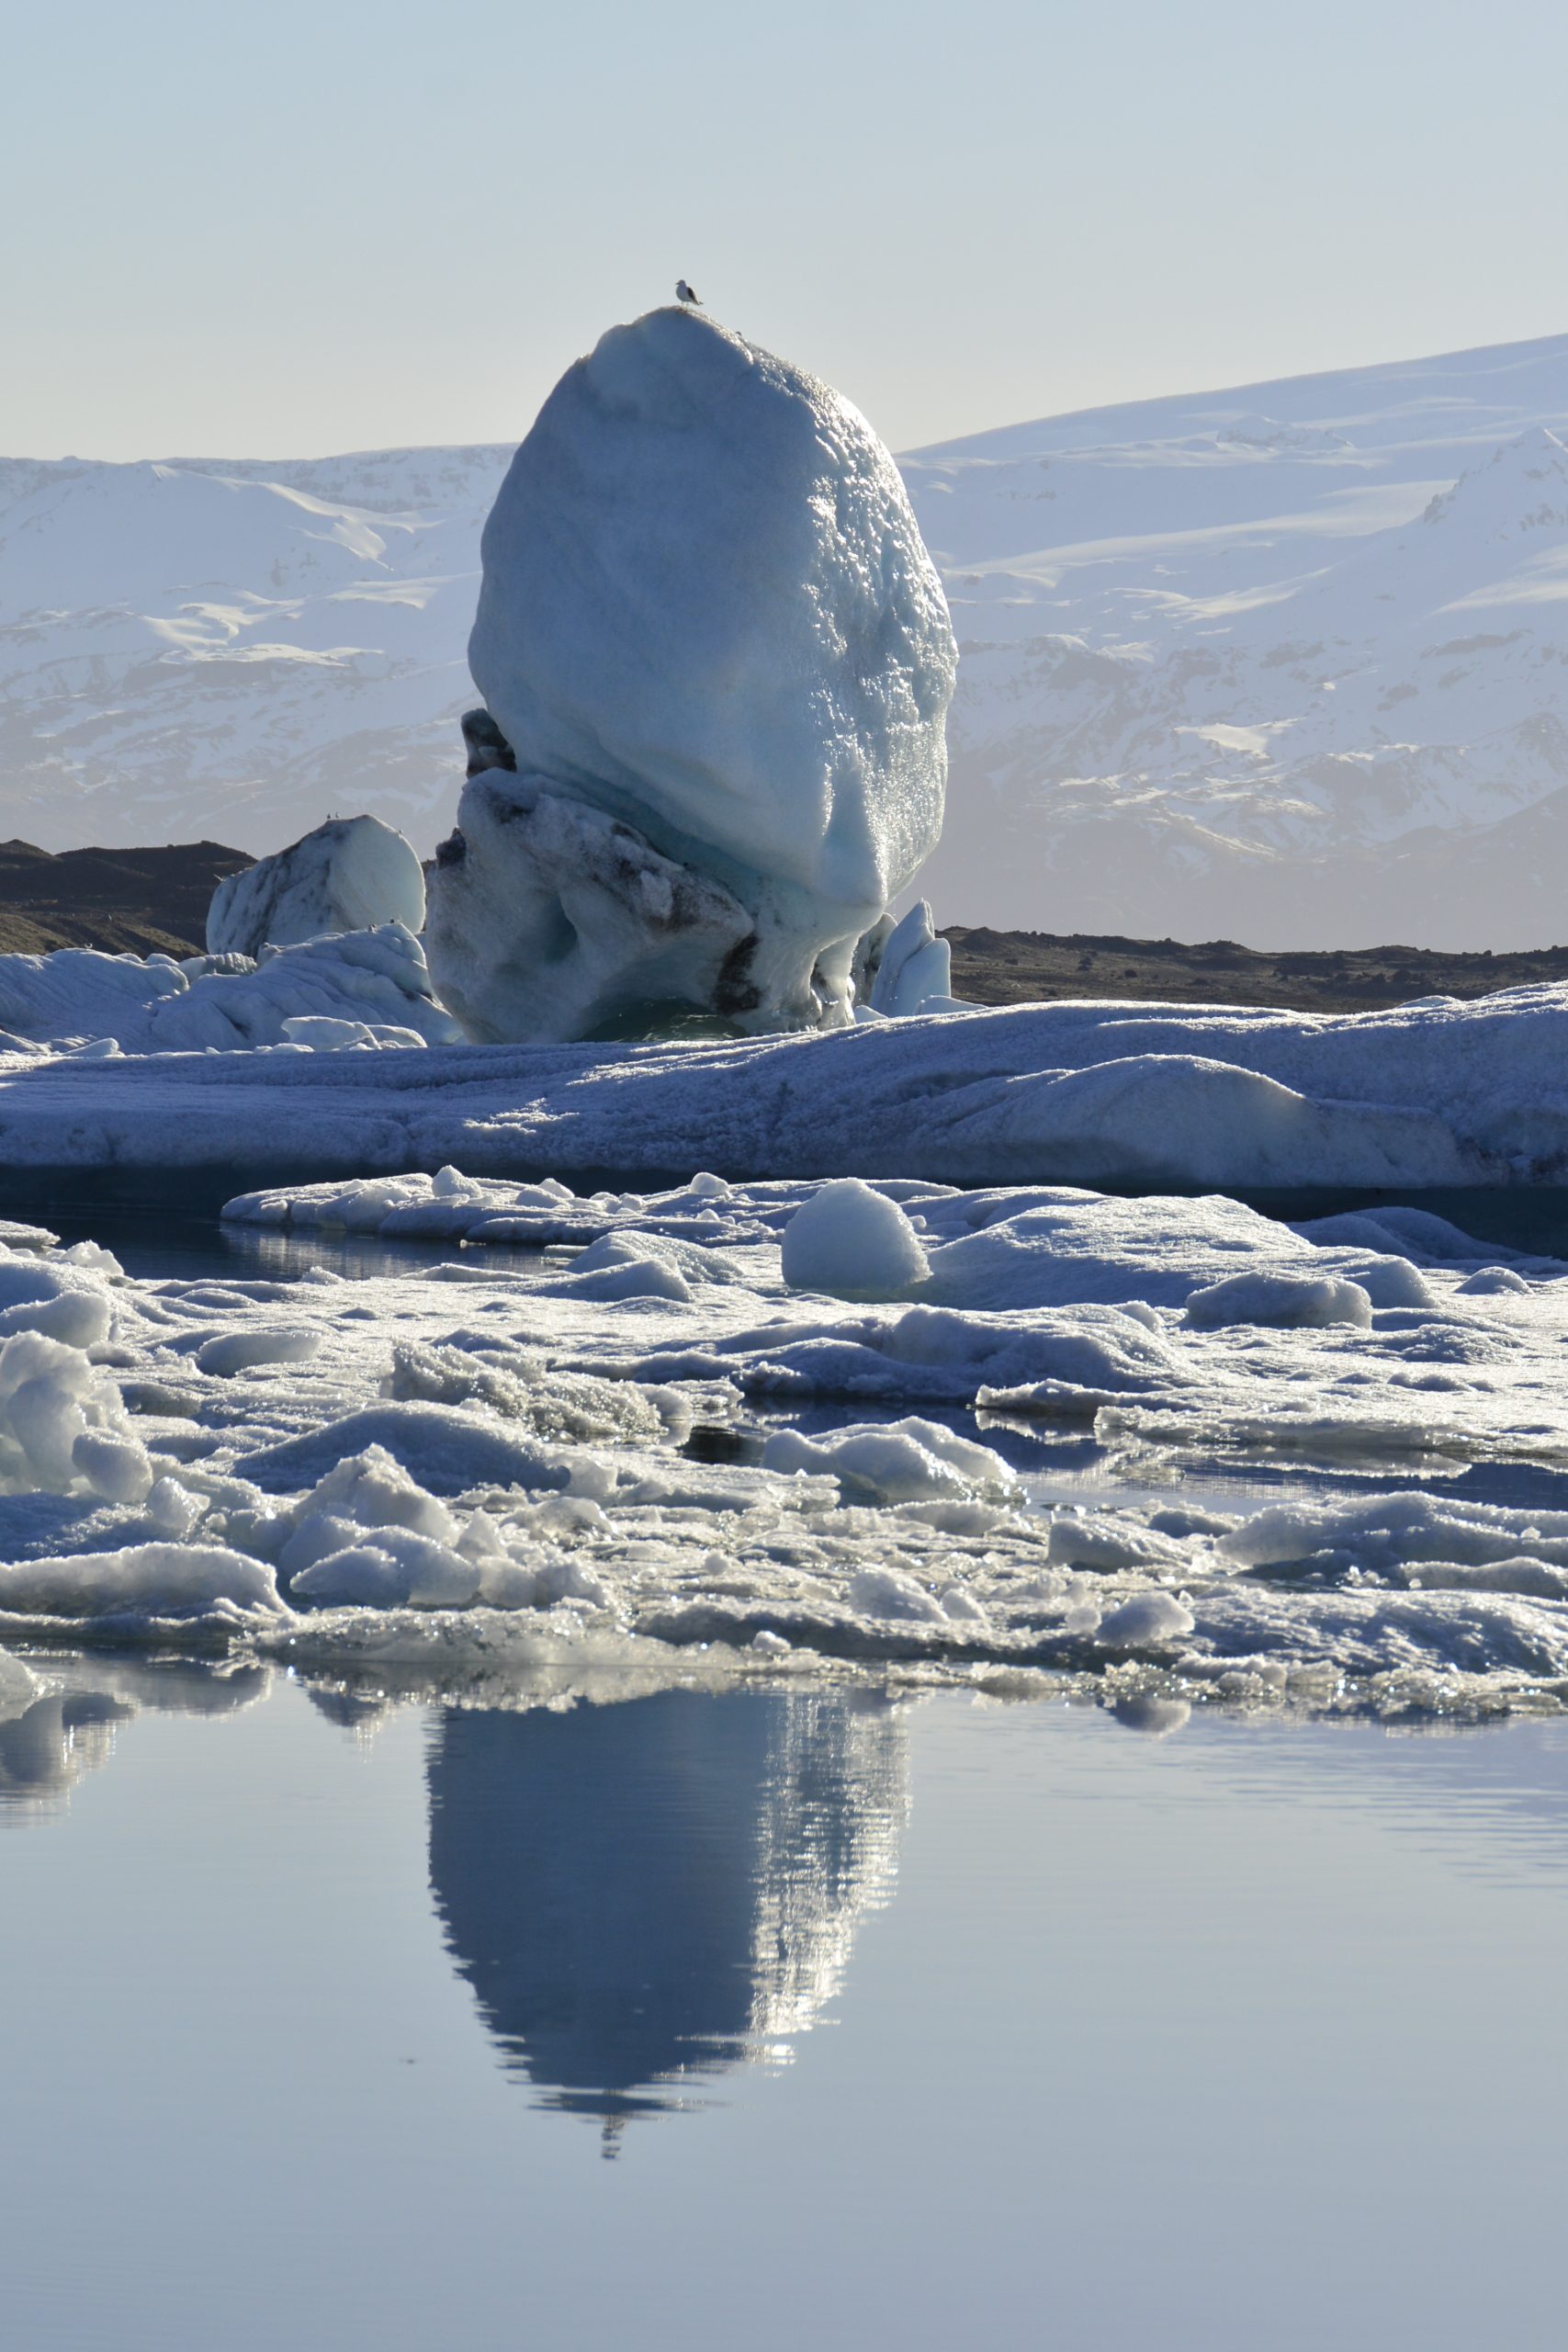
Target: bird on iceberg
(685,293)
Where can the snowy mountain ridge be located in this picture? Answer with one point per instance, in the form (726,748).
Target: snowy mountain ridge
(1287,663)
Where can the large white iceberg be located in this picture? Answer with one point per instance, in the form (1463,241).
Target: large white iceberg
(350,874)
(717,662)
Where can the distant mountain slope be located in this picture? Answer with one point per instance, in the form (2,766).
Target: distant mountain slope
(1288,663)
(236,649)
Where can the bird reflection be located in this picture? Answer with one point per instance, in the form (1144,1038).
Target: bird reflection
(642,1894)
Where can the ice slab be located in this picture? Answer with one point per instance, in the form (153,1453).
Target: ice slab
(1150,1097)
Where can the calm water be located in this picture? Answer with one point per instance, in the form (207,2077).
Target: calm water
(776,2018)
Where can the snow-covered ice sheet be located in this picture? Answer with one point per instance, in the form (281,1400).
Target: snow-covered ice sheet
(1439,1093)
(474,1464)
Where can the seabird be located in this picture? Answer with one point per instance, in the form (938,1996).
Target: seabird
(687,294)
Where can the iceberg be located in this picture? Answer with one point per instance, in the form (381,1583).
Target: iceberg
(350,874)
(715,659)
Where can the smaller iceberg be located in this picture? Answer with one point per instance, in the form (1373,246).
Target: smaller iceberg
(350,874)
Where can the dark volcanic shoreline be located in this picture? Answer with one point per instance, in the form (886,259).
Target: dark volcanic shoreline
(1032,967)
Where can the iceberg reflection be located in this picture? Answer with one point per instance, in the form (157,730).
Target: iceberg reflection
(68,1730)
(643,1893)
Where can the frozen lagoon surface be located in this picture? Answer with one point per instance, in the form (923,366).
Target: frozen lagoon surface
(901,2022)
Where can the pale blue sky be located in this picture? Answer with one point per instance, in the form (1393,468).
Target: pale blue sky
(307,225)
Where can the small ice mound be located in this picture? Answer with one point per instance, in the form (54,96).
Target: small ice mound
(173,1509)
(116,1468)
(64,1303)
(63,1424)
(235,1352)
(896,1462)
(620,1266)
(19,1687)
(1388,1281)
(323,1032)
(369,1489)
(1292,1302)
(1147,1622)
(446,1449)
(349,874)
(541,1581)
(1407,1537)
(851,1242)
(144,1581)
(1106,1542)
(894,1596)
(1492,1282)
(571,1407)
(395,1567)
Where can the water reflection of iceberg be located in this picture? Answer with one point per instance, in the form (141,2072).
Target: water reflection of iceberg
(644,1892)
(68,1730)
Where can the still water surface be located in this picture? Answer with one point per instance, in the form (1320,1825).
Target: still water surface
(780,2017)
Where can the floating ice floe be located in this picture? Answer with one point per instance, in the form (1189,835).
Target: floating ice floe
(473,1465)
(1149,1097)
(715,659)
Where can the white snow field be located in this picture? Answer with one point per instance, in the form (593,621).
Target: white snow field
(1243,663)
(1444,1092)
(468,1466)
(716,662)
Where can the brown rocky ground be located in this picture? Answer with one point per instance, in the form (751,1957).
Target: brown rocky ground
(149,900)
(1029,967)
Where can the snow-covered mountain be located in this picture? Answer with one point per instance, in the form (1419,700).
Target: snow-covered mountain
(1288,663)
(236,649)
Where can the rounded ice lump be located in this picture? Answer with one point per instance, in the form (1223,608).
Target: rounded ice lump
(350,874)
(717,662)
